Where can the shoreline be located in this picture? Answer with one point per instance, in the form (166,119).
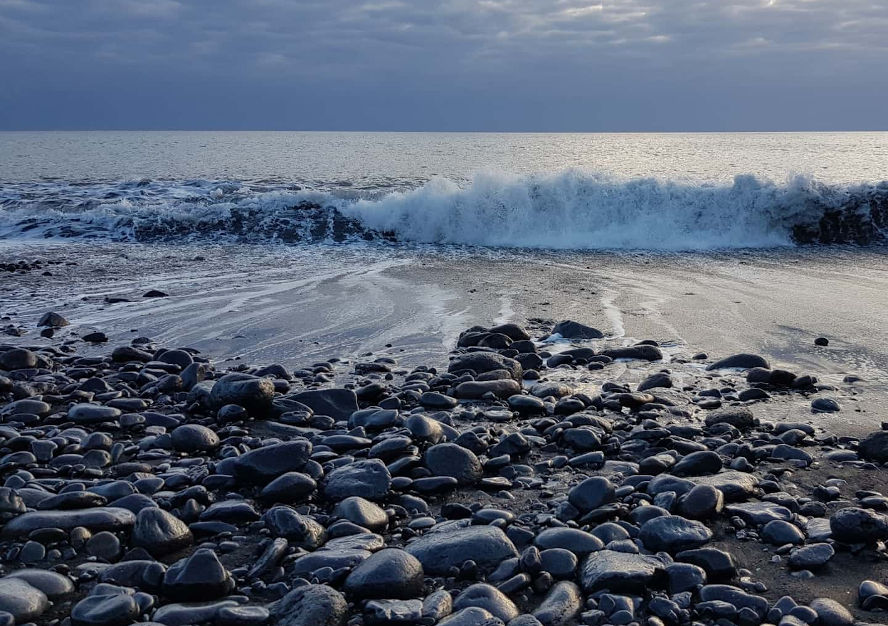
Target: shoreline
(567,481)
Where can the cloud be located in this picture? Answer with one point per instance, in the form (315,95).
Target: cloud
(488,50)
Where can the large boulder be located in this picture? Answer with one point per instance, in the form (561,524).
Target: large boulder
(452,544)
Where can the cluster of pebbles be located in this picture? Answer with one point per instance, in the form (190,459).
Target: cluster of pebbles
(145,486)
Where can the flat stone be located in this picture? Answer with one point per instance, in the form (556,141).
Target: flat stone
(450,459)
(21,599)
(740,361)
(311,605)
(336,403)
(264,464)
(368,478)
(160,532)
(95,519)
(452,544)
(560,606)
(389,573)
(620,571)
(671,533)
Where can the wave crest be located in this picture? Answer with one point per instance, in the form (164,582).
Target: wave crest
(566,210)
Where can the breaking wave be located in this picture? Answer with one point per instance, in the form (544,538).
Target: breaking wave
(566,210)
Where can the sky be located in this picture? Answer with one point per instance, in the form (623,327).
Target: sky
(444,65)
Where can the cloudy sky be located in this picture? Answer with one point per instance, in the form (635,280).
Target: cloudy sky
(536,65)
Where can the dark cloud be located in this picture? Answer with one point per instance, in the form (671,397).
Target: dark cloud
(450,64)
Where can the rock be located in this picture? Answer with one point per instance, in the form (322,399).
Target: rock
(831,613)
(481,362)
(825,405)
(574,330)
(450,459)
(311,605)
(53,320)
(96,519)
(392,612)
(92,414)
(264,464)
(736,596)
(300,530)
(336,403)
(489,598)
(700,463)
(363,513)
(560,605)
(199,577)
(811,556)
(575,540)
(740,361)
(368,478)
(194,438)
(452,544)
(190,613)
(104,546)
(160,532)
(641,352)
(106,605)
(660,379)
(737,416)
(620,571)
(95,337)
(17,359)
(472,616)
(477,389)
(821,341)
(779,532)
(51,583)
(874,447)
(251,392)
(389,573)
(736,486)
(22,600)
(759,513)
(851,525)
(591,493)
(289,487)
(718,564)
(527,405)
(671,533)
(155,293)
(702,502)
(559,562)
(437,401)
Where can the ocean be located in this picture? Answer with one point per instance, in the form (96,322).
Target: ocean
(547,191)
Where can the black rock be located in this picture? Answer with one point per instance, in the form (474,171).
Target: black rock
(264,464)
(311,605)
(740,361)
(811,556)
(574,330)
(194,438)
(336,403)
(449,459)
(874,447)
(368,478)
(300,530)
(251,392)
(389,573)
(854,525)
(453,543)
(560,605)
(831,613)
(289,487)
(95,519)
(737,416)
(660,379)
(22,600)
(199,577)
(591,493)
(489,598)
(160,532)
(671,533)
(481,362)
(620,571)
(698,463)
(641,352)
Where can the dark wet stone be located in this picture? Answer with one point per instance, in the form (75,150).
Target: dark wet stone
(311,605)
(477,389)
(736,486)
(779,532)
(489,598)
(718,564)
(251,392)
(811,556)
(52,319)
(51,583)
(22,600)
(874,447)
(831,613)
(106,605)
(671,533)
(575,330)
(733,595)
(142,574)
(560,605)
(392,612)
(72,500)
(96,519)
(660,379)
(682,577)
(700,463)
(389,573)
(702,502)
(481,362)
(336,403)
(620,571)
(740,361)
(449,459)
(301,530)
(289,487)
(577,541)
(17,359)
(472,616)
(559,562)
(337,559)
(160,532)
(194,438)
(264,464)
(368,478)
(92,414)
(362,512)
(591,493)
(199,577)
(825,405)
(854,525)
(187,613)
(242,616)
(642,352)
(452,544)
(527,405)
(437,401)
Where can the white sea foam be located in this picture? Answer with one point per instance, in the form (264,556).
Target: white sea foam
(566,210)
